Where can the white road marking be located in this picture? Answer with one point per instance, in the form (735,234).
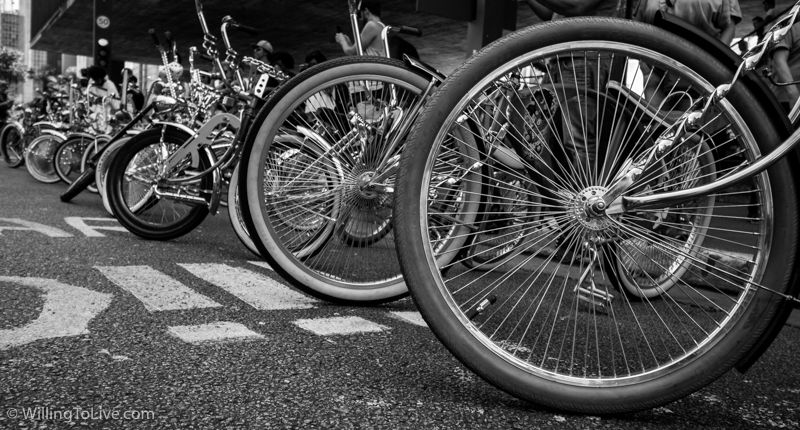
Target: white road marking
(213,332)
(22,224)
(263,264)
(67,311)
(255,289)
(339,325)
(79,223)
(157,291)
(412,317)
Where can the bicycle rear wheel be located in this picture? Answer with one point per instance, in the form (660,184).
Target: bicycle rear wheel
(40,158)
(140,198)
(559,325)
(313,205)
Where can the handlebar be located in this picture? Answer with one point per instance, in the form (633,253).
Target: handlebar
(232,24)
(198,5)
(245,28)
(230,53)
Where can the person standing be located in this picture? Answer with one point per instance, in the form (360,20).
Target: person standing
(785,57)
(99,86)
(716,18)
(371,41)
(580,128)
(103,89)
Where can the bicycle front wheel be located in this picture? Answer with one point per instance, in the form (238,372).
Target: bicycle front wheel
(141,198)
(595,312)
(318,177)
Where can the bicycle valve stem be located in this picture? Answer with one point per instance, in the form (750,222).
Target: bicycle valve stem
(482,306)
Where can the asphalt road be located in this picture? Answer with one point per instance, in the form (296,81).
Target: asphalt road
(99,329)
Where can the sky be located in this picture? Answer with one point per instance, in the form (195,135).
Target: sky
(10,4)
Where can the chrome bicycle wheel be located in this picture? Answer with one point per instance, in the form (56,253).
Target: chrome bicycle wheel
(599,311)
(40,158)
(142,200)
(69,156)
(319,180)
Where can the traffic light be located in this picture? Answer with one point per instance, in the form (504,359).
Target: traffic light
(102,33)
(102,52)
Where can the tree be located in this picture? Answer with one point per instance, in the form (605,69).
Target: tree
(11,67)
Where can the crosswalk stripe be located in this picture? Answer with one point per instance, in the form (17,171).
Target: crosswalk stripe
(412,317)
(213,332)
(339,325)
(255,289)
(262,264)
(157,291)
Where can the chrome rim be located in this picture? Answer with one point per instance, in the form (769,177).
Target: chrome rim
(590,298)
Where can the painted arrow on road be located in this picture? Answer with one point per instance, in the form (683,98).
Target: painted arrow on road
(67,311)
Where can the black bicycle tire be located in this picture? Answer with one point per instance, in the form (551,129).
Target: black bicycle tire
(274,104)
(235,215)
(456,337)
(101,168)
(194,217)
(3,146)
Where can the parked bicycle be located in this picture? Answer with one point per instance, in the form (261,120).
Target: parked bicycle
(164,181)
(658,206)
(317,172)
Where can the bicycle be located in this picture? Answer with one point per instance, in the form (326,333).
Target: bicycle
(317,172)
(167,179)
(652,264)
(326,155)
(43,152)
(160,109)
(41,116)
(14,139)
(88,131)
